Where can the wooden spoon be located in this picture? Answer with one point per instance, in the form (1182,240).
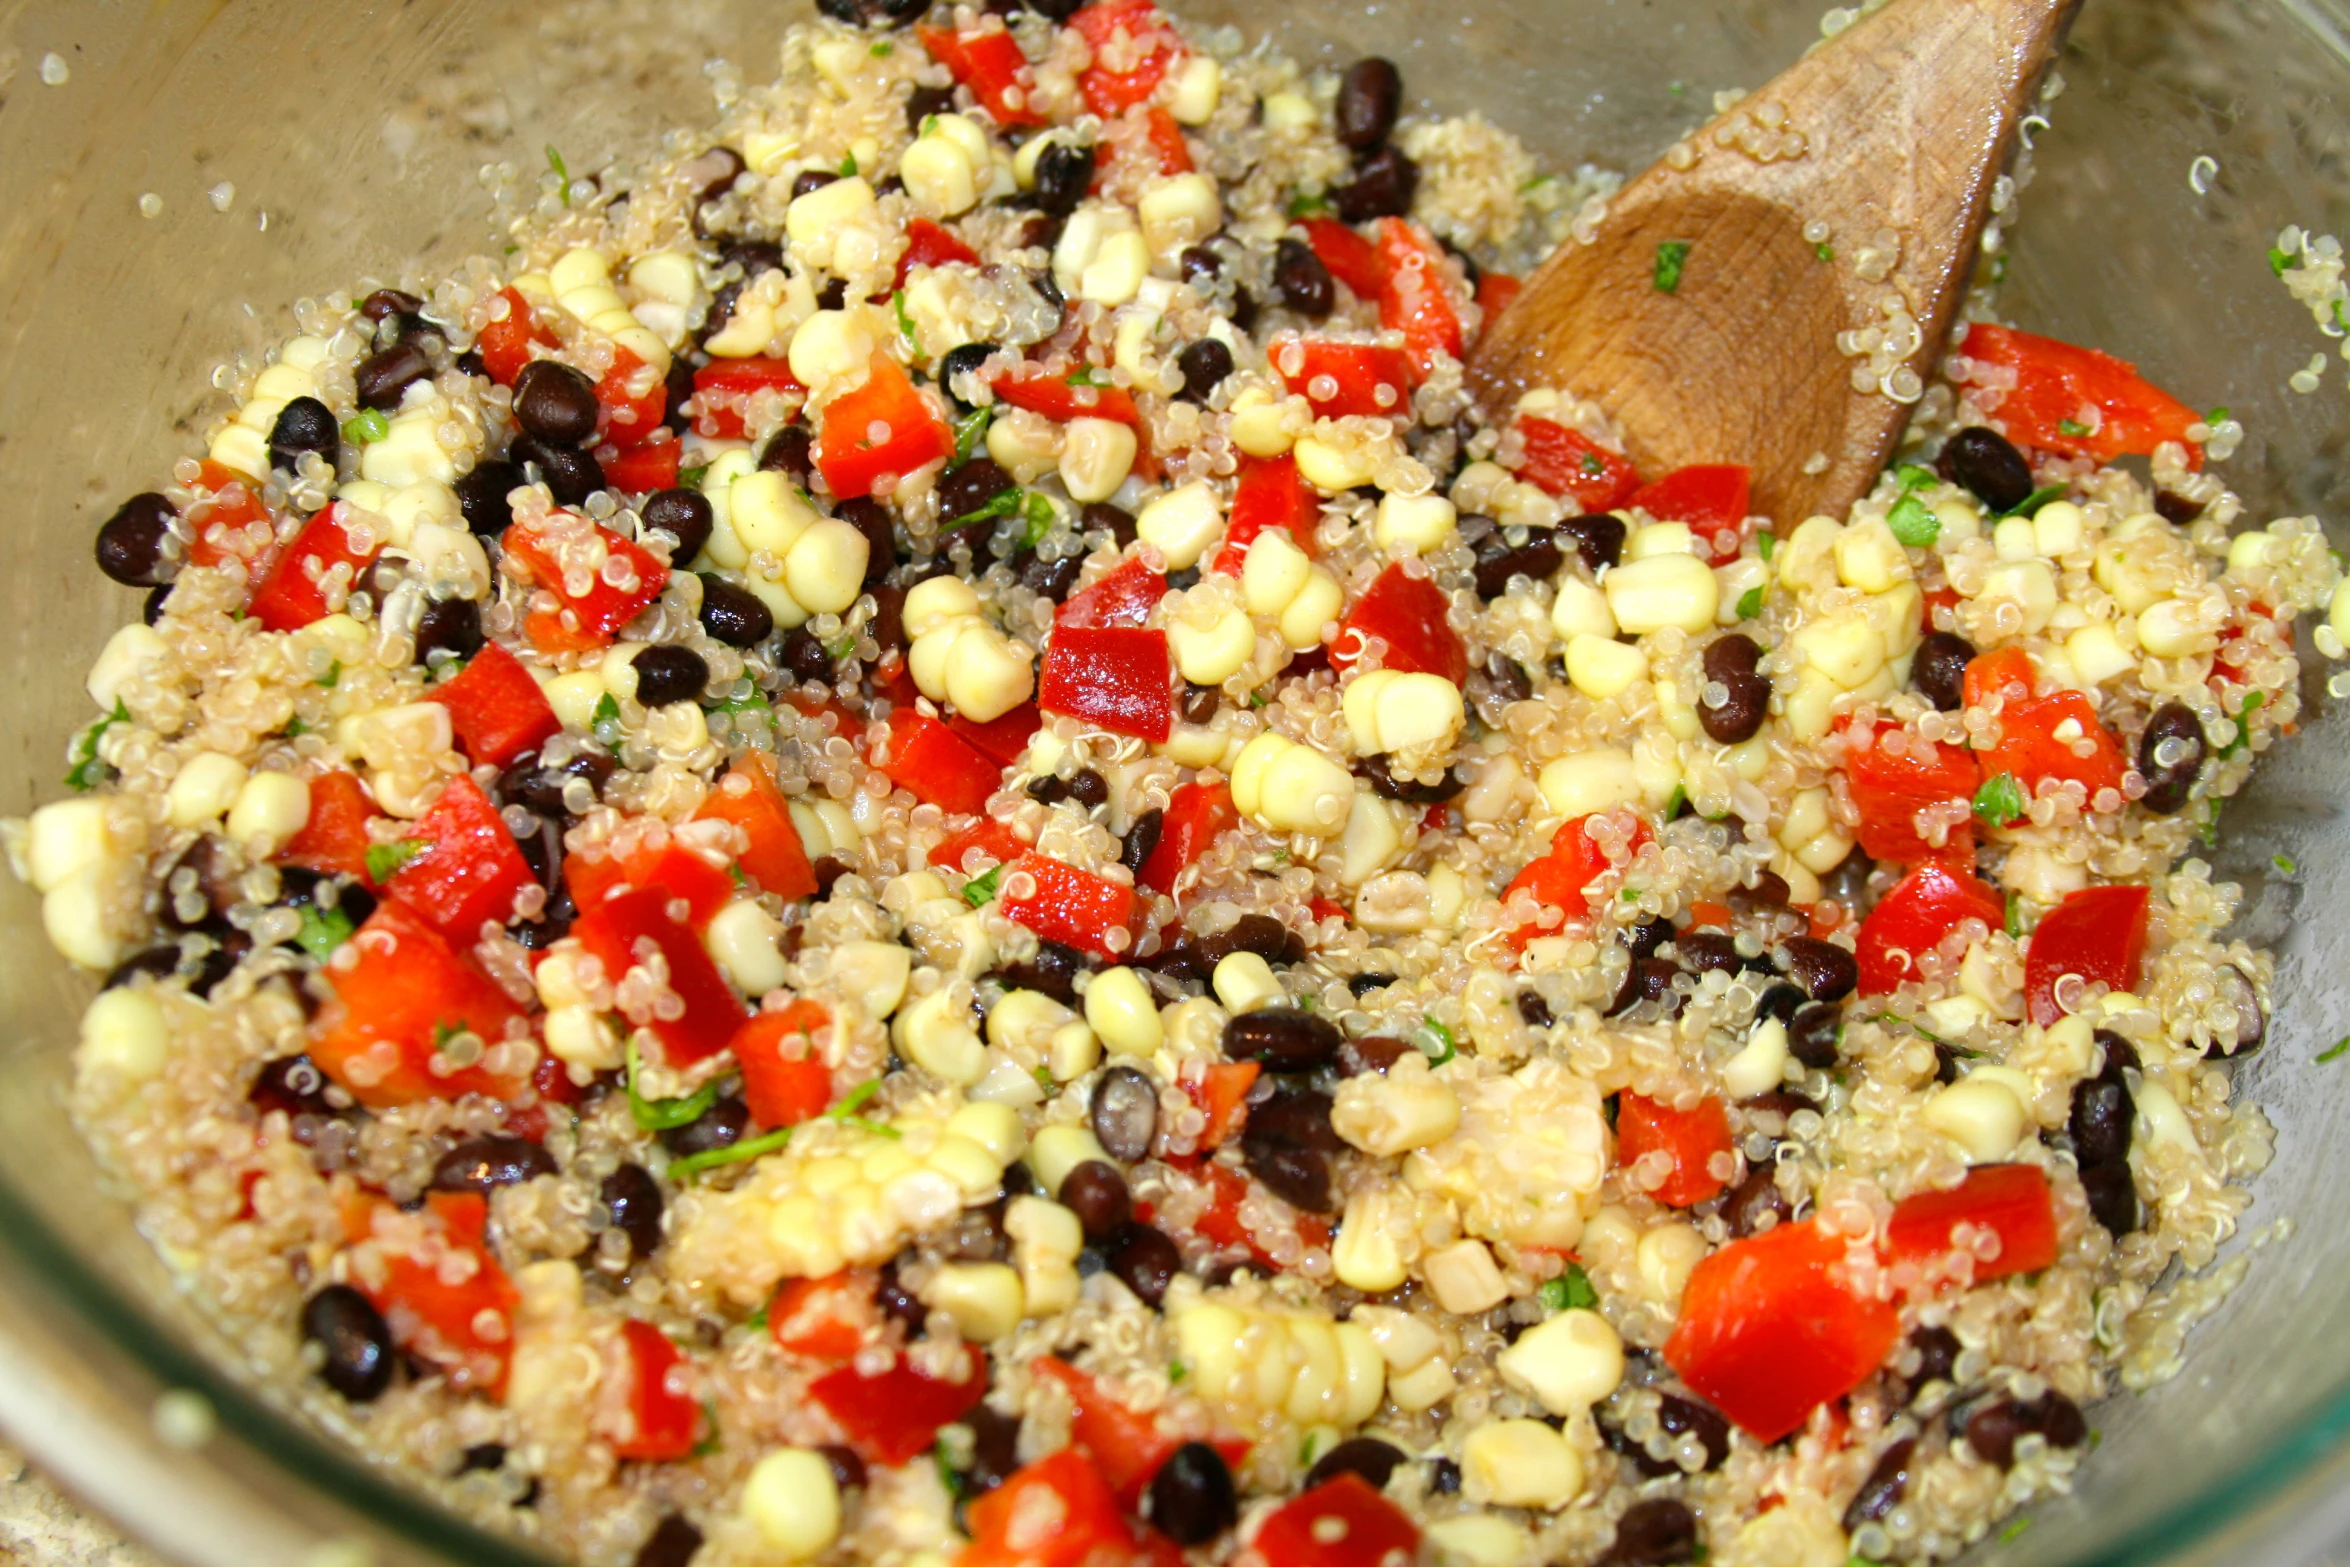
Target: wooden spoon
(1884,143)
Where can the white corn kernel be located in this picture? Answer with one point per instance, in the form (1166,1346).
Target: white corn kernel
(1758,1067)
(1958,518)
(65,838)
(1981,1116)
(1096,456)
(984,1298)
(1365,1255)
(123,662)
(1420,523)
(204,788)
(935,1033)
(1272,571)
(933,602)
(1291,787)
(830,347)
(1663,590)
(1520,1463)
(2027,584)
(1199,86)
(825,570)
(2058,528)
(1806,558)
(1180,210)
(1581,610)
(2166,1123)
(1310,614)
(1181,524)
(1244,981)
(1870,558)
(813,221)
(1569,1362)
(991,674)
(1667,1255)
(745,939)
(1262,427)
(793,1501)
(1056,1150)
(1464,1279)
(1212,654)
(1123,1013)
(1287,110)
(1423,1387)
(1594,780)
(1660,538)
(938,176)
(1388,710)
(74,913)
(1480,1540)
(123,1034)
(1844,648)
(1117,269)
(1372,840)
(581,1036)
(1046,1239)
(2175,628)
(2097,655)
(1389,1114)
(1602,668)
(1332,467)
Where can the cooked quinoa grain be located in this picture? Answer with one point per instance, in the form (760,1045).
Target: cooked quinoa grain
(911,847)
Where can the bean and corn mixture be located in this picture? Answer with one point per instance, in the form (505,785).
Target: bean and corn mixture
(910,848)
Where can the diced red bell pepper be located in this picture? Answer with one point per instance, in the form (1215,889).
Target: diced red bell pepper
(1221,1093)
(641,469)
(2012,1201)
(1769,1330)
(1001,740)
(504,344)
(1891,789)
(2098,933)
(1415,302)
(335,839)
(1073,907)
(1165,135)
(1271,494)
(1408,613)
(614,932)
(1126,1445)
(1496,292)
(1058,1512)
(495,706)
(664,1420)
(774,858)
(879,432)
(1197,815)
(1349,257)
(595,879)
(785,1080)
(2006,673)
(1923,907)
(408,991)
(1559,878)
(631,402)
(1569,464)
(1117,677)
(988,60)
(830,1318)
(939,766)
(994,839)
(466,870)
(1056,399)
(724,388)
(1123,598)
(891,1416)
(592,618)
(930,244)
(220,523)
(314,575)
(1693,1139)
(433,1318)
(1339,1523)
(1342,379)
(2078,401)
(1712,498)
(1133,35)
(2043,737)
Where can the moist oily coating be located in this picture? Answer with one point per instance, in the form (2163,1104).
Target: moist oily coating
(1033,861)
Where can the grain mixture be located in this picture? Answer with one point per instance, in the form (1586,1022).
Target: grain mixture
(910,848)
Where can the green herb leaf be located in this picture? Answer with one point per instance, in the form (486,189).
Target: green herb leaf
(1044,1076)
(1302,205)
(1177,1371)
(2000,800)
(1257,699)
(691,478)
(1671,257)
(1824,251)
(709,1443)
(1005,503)
(1570,1291)
(555,162)
(749,1148)
(444,1032)
(2209,831)
(1915,476)
(1037,512)
(880,51)
(950,1479)
(980,890)
(855,1099)
(2072,427)
(2030,505)
(2341,1047)
(2015,916)
(87,770)
(333,675)
(2281,261)
(1678,803)
(322,932)
(1085,375)
(1913,522)
(2219,416)
(970,430)
(660,1115)
(756,702)
(1750,603)
(1999,267)
(2285,864)
(2014,1529)
(369,424)
(2252,704)
(385,860)
(295,728)
(1434,1041)
(841,647)
(1765,544)
(757,1321)
(906,330)
(877,1128)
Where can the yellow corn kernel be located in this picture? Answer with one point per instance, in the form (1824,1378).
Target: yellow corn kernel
(123,1034)
(1365,1255)
(1464,1278)
(1393,1113)
(1212,654)
(1844,648)
(990,674)
(1423,1387)
(1309,615)
(1262,427)
(1179,210)
(205,787)
(872,974)
(1667,1255)
(1373,839)
(825,570)
(1243,981)
(1984,1117)
(1588,781)
(938,175)
(1419,523)
(1272,572)
(1663,590)
(984,1298)
(1520,1463)
(1181,524)
(1096,456)
(1569,1362)
(1124,1013)
(1758,1067)
(2027,584)
(815,220)
(1333,467)
(1480,1540)
(1056,1150)
(1199,86)
(1046,1239)
(935,1033)
(793,1501)
(743,938)
(1388,710)
(1602,668)
(1870,558)
(1581,610)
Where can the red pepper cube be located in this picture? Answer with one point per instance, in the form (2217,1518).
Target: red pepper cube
(1123,598)
(988,60)
(2011,1201)
(436,1320)
(315,574)
(664,1421)
(774,857)
(2097,934)
(1892,787)
(1347,256)
(894,1415)
(1064,904)
(1339,1523)
(1569,464)
(634,925)
(601,580)
(1924,907)
(641,470)
(1417,300)
(1271,494)
(495,706)
(1559,879)
(504,344)
(1197,815)
(930,244)
(1693,1140)
(940,767)
(1410,614)
(1056,399)
(2055,738)
(1770,1329)
(873,436)
(403,994)
(830,1318)
(1496,292)
(631,402)
(335,839)
(726,393)
(996,840)
(1056,1512)
(1125,1445)
(1117,677)
(1712,498)
(466,868)
(1001,740)
(596,877)
(1133,33)
(2078,401)
(1221,1092)
(785,1080)
(1339,380)
(221,521)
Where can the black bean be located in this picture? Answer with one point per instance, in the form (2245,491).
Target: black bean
(2175,509)
(1755,1198)
(1201,266)
(1205,364)
(383,378)
(387,302)
(1825,971)
(790,451)
(633,1203)
(898,1304)
(828,870)
(1508,678)
(969,488)
(975,1235)
(1304,282)
(1369,94)
(666,673)
(1288,1143)
(1711,952)
(2061,1420)
(2099,1125)
(963,362)
(480,1163)
(292,1084)
(1381,775)
(481,1458)
(1056,10)
(1648,979)
(1814,1033)
(1051,579)
(811,180)
(672,1543)
(1993,1430)
(720,1126)
(1645,1463)
(449,626)
(1444,1477)
(481,496)
(130,543)
(2170,757)
(1383,187)
(732,615)
(1498,560)
(995,1449)
(685,515)
(1146,1262)
(804,655)
(1116,521)
(2116,1055)
(2233,985)
(1064,172)
(1096,1193)
(303,425)
(1768,891)
(1364,1456)
(1687,1417)
(1261,934)
(1052,972)
(1745,703)
(1285,1039)
(1533,1011)
(1657,1531)
(1125,1113)
(1599,539)
(1882,1490)
(871,518)
(848,1470)
(572,474)
(2113,1198)
(1778,1001)
(1371,1053)
(151,608)
(1983,461)
(1938,670)
(1089,789)
(1731,655)
(676,387)
(1364,984)
(1191,1497)
(1142,836)
(925,102)
(555,402)
(358,1345)
(1048,790)
(1937,1357)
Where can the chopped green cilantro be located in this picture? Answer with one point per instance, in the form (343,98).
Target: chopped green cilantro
(1766,543)
(2252,704)
(87,769)
(1085,375)
(1913,522)
(2072,427)
(1177,1371)
(1999,267)
(980,889)
(1678,803)
(880,51)
(1043,1075)
(660,1115)
(2014,922)
(295,729)
(749,1148)
(950,1479)
(333,675)
(841,647)
(855,1099)
(2284,863)
(709,1443)
(2030,505)
(2000,800)
(1302,205)
(2340,1048)
(691,478)
(1750,603)
(2280,261)
(1005,503)
(1434,1041)
(605,720)
(444,1032)
(2014,1529)
(2209,831)
(1570,1291)
(1037,513)
(1257,699)
(1671,257)
(322,932)
(970,430)
(1915,476)
(385,860)
(369,424)
(906,330)
(555,162)
(756,702)
(1824,251)
(2219,416)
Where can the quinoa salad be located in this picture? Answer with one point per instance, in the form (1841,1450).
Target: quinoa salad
(909,846)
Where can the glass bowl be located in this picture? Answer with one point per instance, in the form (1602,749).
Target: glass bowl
(200,167)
